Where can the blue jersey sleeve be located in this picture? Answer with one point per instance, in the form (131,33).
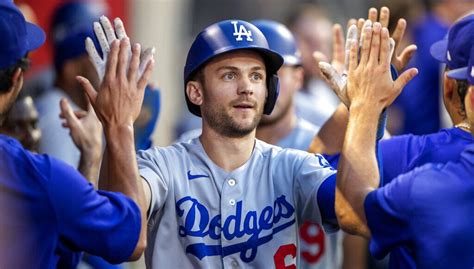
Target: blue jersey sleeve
(102,223)
(388,214)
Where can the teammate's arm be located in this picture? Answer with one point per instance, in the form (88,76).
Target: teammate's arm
(117,105)
(370,89)
(86,133)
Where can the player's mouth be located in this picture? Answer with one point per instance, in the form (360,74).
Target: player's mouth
(244,106)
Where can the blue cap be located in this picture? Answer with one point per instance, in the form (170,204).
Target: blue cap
(280,39)
(18,36)
(454,50)
(71,24)
(465,73)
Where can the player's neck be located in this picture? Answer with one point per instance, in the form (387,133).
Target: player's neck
(272,133)
(227,152)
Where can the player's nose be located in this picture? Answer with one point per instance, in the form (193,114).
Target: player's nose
(245,86)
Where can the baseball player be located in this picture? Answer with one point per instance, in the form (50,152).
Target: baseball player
(285,129)
(44,201)
(418,215)
(226,199)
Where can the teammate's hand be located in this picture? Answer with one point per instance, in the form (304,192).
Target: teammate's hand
(369,80)
(401,60)
(106,34)
(120,96)
(86,133)
(84,127)
(335,74)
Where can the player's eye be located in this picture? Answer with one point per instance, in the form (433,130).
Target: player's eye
(257,76)
(229,76)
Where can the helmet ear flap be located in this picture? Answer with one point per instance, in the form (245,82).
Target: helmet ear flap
(273,86)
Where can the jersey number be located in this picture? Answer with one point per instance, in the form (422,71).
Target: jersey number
(282,253)
(313,235)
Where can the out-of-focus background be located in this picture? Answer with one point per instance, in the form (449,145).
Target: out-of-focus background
(171,25)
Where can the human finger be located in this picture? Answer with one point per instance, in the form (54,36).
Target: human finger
(398,33)
(372,14)
(366,39)
(338,44)
(385,48)
(123,56)
(109,30)
(134,63)
(111,64)
(91,93)
(375,44)
(119,29)
(384,16)
(146,75)
(101,37)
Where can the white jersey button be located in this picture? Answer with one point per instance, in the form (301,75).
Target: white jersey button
(231,182)
(232,202)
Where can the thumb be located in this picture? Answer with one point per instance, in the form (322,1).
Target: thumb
(331,76)
(320,57)
(68,113)
(88,89)
(407,54)
(404,78)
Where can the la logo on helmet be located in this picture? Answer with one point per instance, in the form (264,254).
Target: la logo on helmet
(241,31)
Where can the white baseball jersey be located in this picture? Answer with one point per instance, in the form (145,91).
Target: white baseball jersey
(317,249)
(204,217)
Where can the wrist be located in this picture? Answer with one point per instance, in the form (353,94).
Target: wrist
(365,108)
(91,153)
(119,135)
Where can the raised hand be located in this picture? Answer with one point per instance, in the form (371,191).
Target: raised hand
(119,99)
(85,129)
(335,74)
(86,133)
(369,79)
(401,60)
(106,34)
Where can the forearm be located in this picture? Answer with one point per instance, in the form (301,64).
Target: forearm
(330,138)
(89,165)
(103,183)
(121,169)
(358,172)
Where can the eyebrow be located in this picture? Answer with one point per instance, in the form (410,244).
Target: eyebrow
(233,68)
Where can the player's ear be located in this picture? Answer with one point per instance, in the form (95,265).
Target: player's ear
(194,92)
(17,81)
(449,86)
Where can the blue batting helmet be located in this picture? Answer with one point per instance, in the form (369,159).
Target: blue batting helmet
(227,36)
(280,39)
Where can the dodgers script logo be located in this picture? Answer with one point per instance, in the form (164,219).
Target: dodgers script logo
(198,223)
(239,32)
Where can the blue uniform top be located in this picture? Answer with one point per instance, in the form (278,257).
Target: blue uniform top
(401,154)
(424,218)
(44,202)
